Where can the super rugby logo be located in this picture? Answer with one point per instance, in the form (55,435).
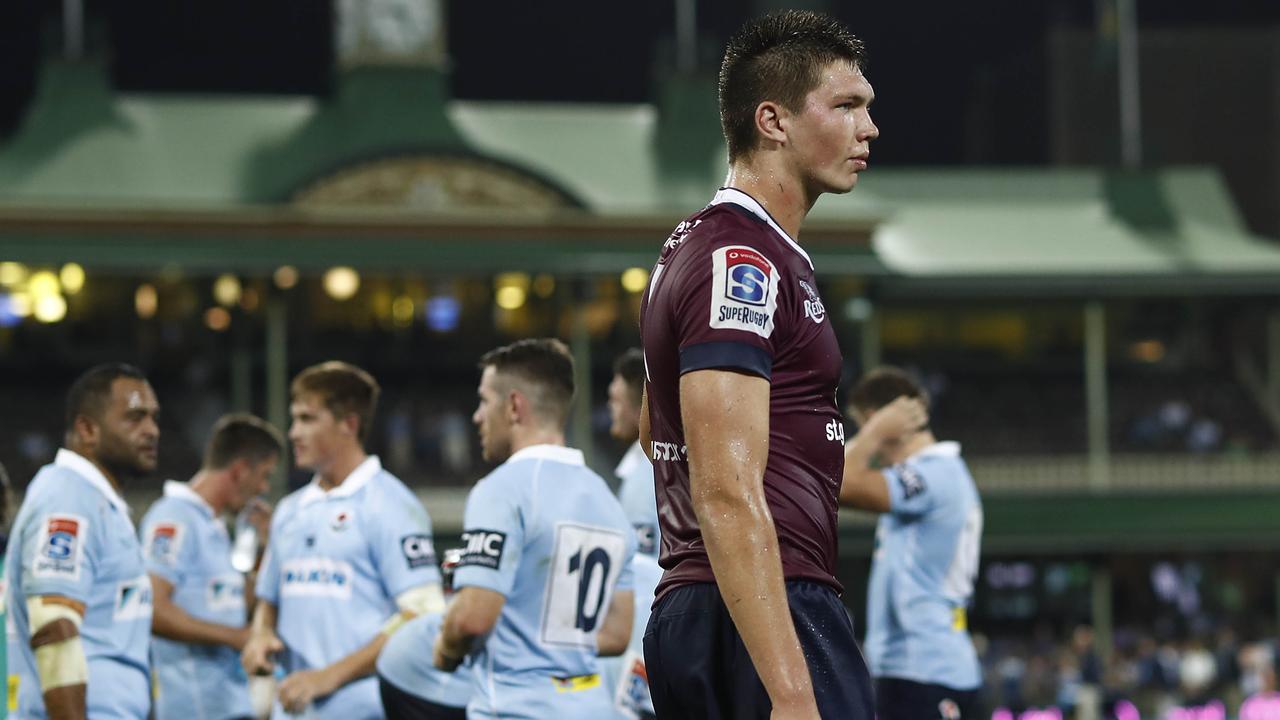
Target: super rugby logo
(164,542)
(62,538)
(744,290)
(483,548)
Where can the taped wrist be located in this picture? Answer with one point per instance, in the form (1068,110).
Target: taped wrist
(414,602)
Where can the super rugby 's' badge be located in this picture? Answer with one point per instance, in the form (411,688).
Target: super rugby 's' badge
(164,541)
(60,545)
(744,290)
(341,521)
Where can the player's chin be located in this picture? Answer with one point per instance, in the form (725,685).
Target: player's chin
(838,184)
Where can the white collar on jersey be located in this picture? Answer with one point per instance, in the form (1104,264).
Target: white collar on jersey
(358,478)
(630,461)
(183,491)
(737,197)
(554,453)
(945,448)
(80,465)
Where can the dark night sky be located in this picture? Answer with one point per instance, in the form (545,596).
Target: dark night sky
(925,63)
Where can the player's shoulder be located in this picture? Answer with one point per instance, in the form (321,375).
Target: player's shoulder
(718,226)
(59,488)
(168,509)
(386,487)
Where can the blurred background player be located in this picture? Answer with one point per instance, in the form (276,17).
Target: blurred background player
(78,596)
(926,558)
(544,583)
(625,676)
(412,687)
(636,492)
(743,366)
(200,621)
(350,555)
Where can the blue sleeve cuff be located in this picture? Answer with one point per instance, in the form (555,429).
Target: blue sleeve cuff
(727,355)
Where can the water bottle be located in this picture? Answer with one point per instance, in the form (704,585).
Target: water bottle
(244,553)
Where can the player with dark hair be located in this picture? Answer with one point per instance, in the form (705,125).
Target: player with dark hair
(741,421)
(544,584)
(79,596)
(926,558)
(350,557)
(636,492)
(201,622)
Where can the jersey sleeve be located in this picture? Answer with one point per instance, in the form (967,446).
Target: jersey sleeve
(61,547)
(403,549)
(166,545)
(492,537)
(725,310)
(909,492)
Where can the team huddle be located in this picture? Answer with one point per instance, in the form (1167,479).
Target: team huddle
(706,589)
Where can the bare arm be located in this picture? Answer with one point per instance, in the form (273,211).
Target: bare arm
(862,486)
(646,433)
(299,689)
(726,421)
(471,616)
(172,622)
(615,633)
(263,641)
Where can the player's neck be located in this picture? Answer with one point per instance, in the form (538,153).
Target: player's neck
(918,442)
(342,466)
(107,472)
(522,438)
(206,485)
(779,191)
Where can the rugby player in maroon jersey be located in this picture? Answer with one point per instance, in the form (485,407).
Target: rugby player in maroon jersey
(741,421)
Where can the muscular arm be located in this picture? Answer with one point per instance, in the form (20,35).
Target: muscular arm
(862,486)
(726,421)
(60,660)
(172,622)
(615,633)
(471,616)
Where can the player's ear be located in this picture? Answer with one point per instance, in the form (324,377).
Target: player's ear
(351,424)
(85,429)
(771,122)
(517,406)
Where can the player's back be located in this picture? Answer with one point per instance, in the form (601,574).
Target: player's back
(73,537)
(185,543)
(926,558)
(546,532)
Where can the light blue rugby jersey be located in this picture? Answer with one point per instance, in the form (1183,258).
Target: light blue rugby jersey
(630,688)
(639,499)
(544,531)
(185,543)
(922,573)
(73,537)
(407,662)
(335,563)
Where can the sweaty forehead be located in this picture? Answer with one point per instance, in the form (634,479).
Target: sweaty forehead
(842,79)
(133,394)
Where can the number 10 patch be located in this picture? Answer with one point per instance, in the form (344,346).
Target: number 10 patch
(744,290)
(585,565)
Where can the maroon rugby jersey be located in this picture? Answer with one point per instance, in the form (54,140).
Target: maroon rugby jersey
(733,291)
